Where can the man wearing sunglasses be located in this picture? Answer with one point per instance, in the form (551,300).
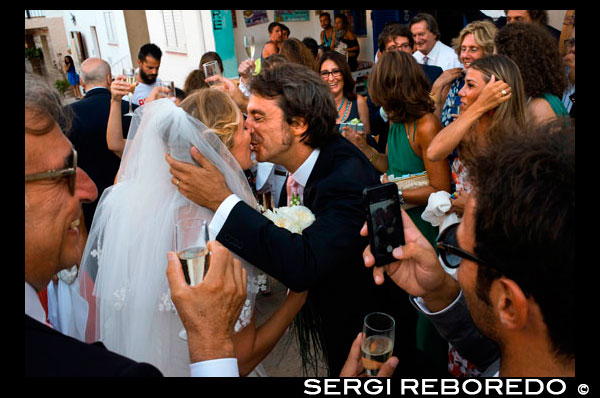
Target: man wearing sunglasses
(515,253)
(55,238)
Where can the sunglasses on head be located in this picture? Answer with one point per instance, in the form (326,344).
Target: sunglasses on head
(70,171)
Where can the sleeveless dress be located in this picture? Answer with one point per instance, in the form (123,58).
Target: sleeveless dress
(403,160)
(72,76)
(326,43)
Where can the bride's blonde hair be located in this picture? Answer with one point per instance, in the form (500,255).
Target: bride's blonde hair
(216,110)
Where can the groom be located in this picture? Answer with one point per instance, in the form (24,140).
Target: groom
(291,116)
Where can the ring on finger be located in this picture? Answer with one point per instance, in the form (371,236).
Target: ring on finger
(503,92)
(177,183)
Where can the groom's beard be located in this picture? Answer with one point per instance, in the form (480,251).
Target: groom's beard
(148,79)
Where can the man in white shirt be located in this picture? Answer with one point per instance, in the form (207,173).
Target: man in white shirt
(55,238)
(147,77)
(430,50)
(516,265)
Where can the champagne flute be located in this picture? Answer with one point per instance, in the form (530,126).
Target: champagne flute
(130,78)
(378,343)
(212,69)
(249,46)
(191,237)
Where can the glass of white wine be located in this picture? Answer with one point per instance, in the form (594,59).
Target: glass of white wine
(191,237)
(378,341)
(249,46)
(130,78)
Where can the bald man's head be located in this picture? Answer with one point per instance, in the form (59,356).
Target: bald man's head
(95,72)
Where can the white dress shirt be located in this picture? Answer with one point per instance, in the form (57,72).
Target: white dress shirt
(440,55)
(221,367)
(300,176)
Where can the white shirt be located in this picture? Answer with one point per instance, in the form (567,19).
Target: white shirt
(222,367)
(300,176)
(440,55)
(142,91)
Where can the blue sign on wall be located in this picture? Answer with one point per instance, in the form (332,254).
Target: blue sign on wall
(224,43)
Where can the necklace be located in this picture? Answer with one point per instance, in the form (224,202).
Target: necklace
(345,110)
(342,103)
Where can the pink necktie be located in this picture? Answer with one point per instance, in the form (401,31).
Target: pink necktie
(293,188)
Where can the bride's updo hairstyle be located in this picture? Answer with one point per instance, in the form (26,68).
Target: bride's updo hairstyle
(216,110)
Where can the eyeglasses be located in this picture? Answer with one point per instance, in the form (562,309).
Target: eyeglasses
(450,252)
(336,73)
(69,171)
(402,47)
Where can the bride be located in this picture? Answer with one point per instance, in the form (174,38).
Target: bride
(125,256)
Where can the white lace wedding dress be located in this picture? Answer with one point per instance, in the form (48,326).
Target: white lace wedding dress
(125,257)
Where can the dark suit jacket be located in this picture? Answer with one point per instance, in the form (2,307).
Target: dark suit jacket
(50,353)
(327,258)
(88,135)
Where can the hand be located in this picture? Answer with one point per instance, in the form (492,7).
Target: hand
(119,88)
(458,202)
(358,139)
(157,92)
(210,309)
(354,367)
(447,77)
(418,270)
(491,96)
(246,68)
(203,185)
(227,86)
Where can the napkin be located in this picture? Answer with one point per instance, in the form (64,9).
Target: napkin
(437,206)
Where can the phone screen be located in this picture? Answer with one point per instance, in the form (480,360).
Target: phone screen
(385,224)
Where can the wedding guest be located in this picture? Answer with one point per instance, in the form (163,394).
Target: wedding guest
(312,45)
(492,98)
(177,126)
(327,34)
(291,116)
(346,40)
(543,75)
(88,134)
(72,76)
(399,86)
(275,38)
(53,242)
(475,40)
(568,97)
(148,65)
(295,51)
(285,32)
(211,56)
(195,80)
(516,269)
(539,17)
(429,49)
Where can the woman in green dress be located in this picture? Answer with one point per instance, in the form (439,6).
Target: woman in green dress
(399,85)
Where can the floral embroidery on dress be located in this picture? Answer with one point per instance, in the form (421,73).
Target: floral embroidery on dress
(119,298)
(165,303)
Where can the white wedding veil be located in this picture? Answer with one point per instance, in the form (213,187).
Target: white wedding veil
(123,268)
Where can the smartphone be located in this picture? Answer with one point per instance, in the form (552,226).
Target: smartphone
(384,221)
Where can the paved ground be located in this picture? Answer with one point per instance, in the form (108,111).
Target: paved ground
(284,360)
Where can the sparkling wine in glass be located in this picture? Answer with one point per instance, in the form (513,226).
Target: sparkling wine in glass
(191,237)
(249,46)
(378,343)
(130,78)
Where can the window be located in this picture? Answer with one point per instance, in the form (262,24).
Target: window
(110,27)
(174,34)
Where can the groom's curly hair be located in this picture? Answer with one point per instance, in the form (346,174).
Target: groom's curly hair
(300,92)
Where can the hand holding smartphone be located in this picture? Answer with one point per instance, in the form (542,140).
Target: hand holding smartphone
(384,221)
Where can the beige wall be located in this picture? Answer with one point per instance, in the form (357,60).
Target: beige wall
(137,31)
(51,34)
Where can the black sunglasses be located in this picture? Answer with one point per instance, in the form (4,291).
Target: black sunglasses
(450,252)
(70,171)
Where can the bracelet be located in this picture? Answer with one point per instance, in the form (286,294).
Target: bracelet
(374,156)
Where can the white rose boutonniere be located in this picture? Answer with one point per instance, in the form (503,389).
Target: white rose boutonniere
(293,218)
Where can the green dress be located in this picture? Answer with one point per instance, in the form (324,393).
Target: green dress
(403,160)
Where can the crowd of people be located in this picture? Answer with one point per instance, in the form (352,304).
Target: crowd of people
(105,294)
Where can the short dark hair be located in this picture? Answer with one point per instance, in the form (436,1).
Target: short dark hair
(149,49)
(431,23)
(341,62)
(528,232)
(399,85)
(312,45)
(272,25)
(284,28)
(326,14)
(539,16)
(391,30)
(300,92)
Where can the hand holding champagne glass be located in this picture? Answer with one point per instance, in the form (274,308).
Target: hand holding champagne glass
(130,78)
(378,343)
(191,237)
